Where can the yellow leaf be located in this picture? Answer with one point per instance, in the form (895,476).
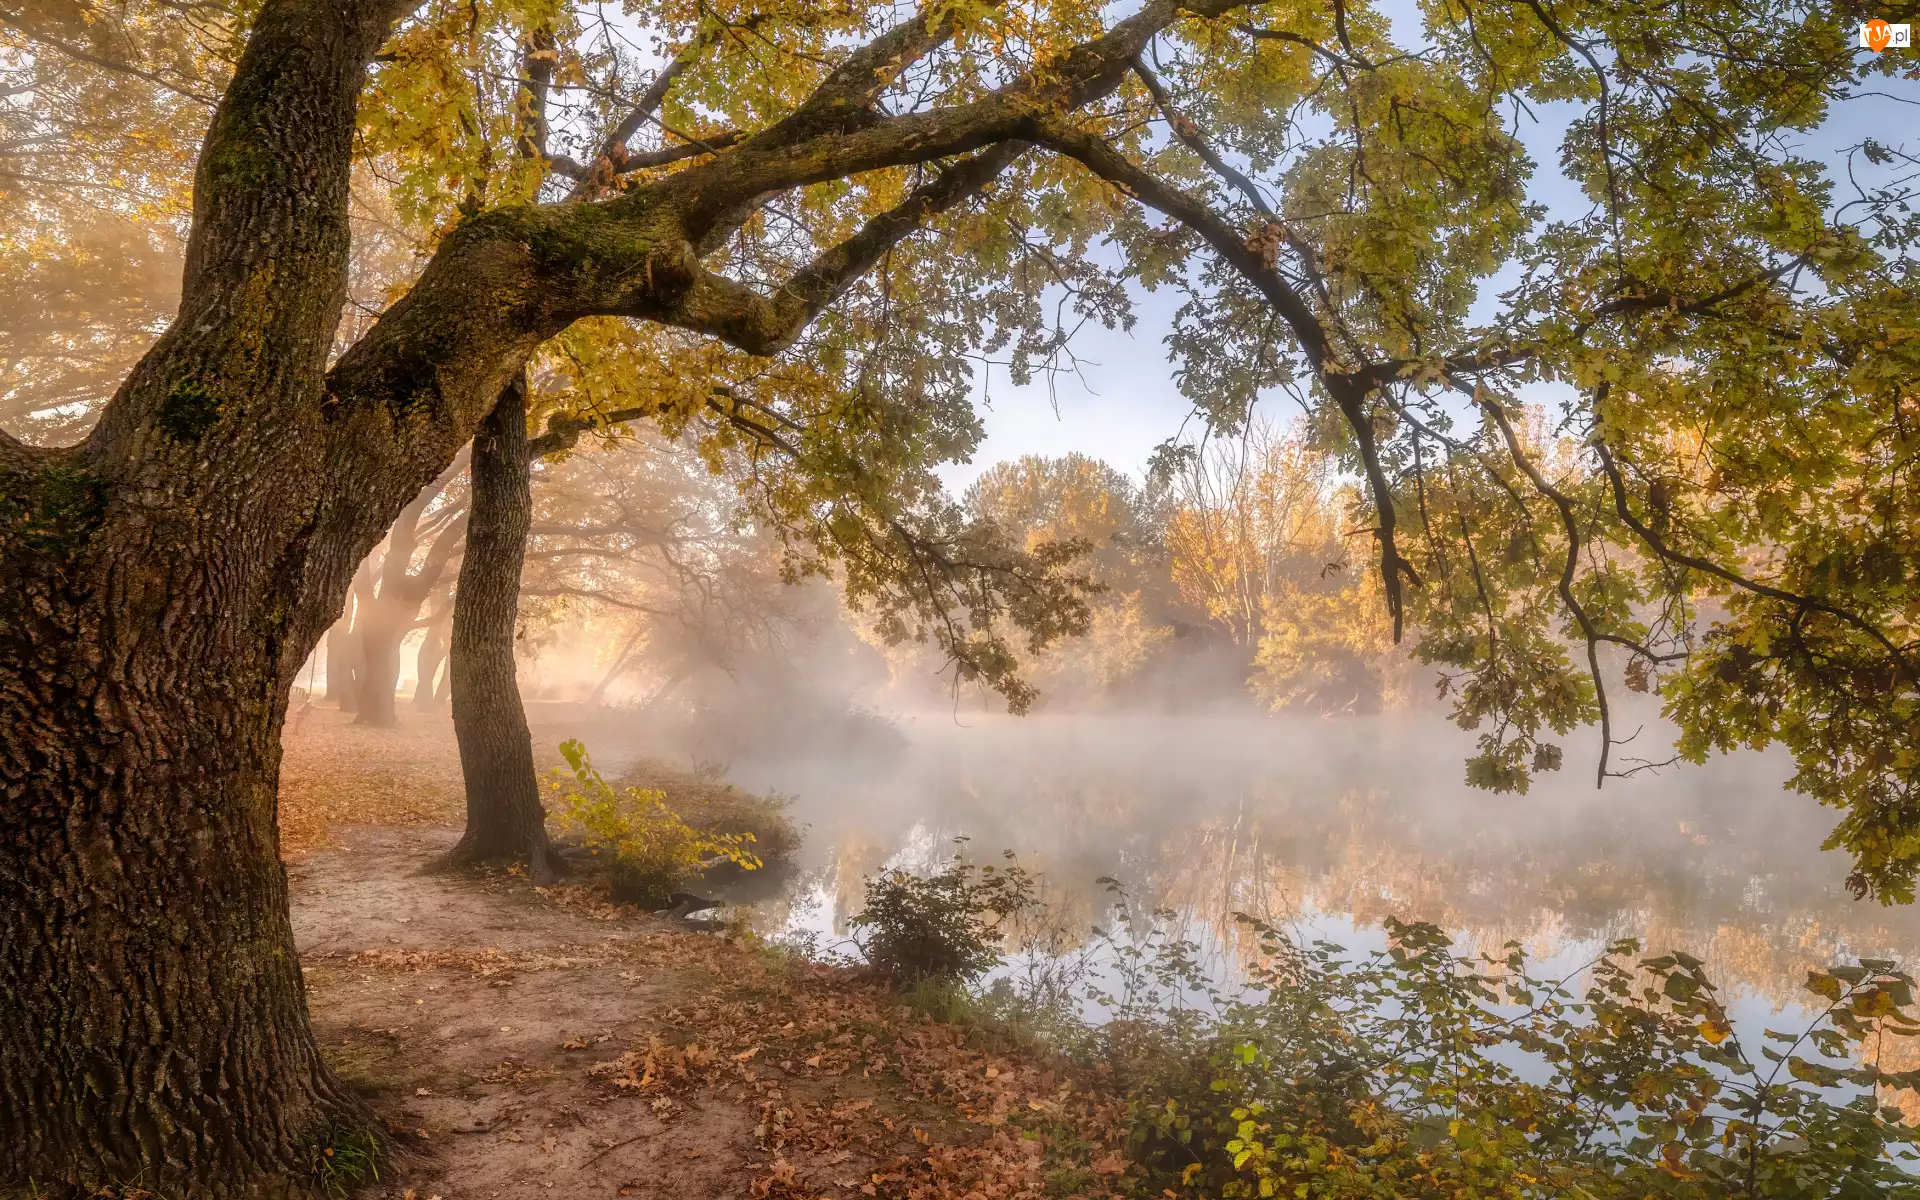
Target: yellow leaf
(1822,984)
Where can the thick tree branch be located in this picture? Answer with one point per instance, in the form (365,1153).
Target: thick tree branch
(573,169)
(1190,137)
(844,99)
(565,429)
(1100,157)
(613,148)
(446,550)
(1568,567)
(506,280)
(833,144)
(537,61)
(1282,35)
(766,325)
(656,93)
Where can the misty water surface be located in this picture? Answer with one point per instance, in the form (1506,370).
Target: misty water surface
(1333,825)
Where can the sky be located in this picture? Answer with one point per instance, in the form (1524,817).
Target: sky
(1118,407)
(1123,403)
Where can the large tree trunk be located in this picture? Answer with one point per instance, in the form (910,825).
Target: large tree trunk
(153,1021)
(161,585)
(504,817)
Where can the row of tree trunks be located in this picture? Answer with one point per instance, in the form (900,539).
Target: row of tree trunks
(386,612)
(345,654)
(384,606)
(343,665)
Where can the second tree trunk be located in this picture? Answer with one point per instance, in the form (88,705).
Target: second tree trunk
(504,817)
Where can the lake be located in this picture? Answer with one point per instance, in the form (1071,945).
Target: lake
(1329,826)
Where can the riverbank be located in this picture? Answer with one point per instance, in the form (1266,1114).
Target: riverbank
(519,1042)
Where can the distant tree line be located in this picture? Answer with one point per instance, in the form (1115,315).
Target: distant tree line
(1228,576)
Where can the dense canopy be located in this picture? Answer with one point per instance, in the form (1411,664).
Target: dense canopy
(1715,274)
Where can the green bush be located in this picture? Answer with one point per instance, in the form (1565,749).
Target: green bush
(944,927)
(716,808)
(651,852)
(1419,1072)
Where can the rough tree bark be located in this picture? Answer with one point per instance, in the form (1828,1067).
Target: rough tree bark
(157,597)
(504,817)
(163,582)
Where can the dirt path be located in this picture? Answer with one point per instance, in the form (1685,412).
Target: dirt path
(470,1011)
(528,1043)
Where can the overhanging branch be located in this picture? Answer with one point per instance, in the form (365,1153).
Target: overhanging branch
(766,325)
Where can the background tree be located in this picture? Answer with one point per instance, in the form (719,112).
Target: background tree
(394,588)
(1078,502)
(504,816)
(641,531)
(1260,533)
(1226,574)
(100,108)
(431,687)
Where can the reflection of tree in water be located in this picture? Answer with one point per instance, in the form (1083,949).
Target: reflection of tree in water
(1759,921)
(1719,865)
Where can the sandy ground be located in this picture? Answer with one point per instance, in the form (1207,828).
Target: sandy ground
(471,1011)
(334,772)
(520,1042)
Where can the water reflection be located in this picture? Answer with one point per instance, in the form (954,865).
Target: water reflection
(1338,825)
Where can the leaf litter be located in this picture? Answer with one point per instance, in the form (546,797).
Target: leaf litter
(524,1041)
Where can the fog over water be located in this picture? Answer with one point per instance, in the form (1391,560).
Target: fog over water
(1332,825)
